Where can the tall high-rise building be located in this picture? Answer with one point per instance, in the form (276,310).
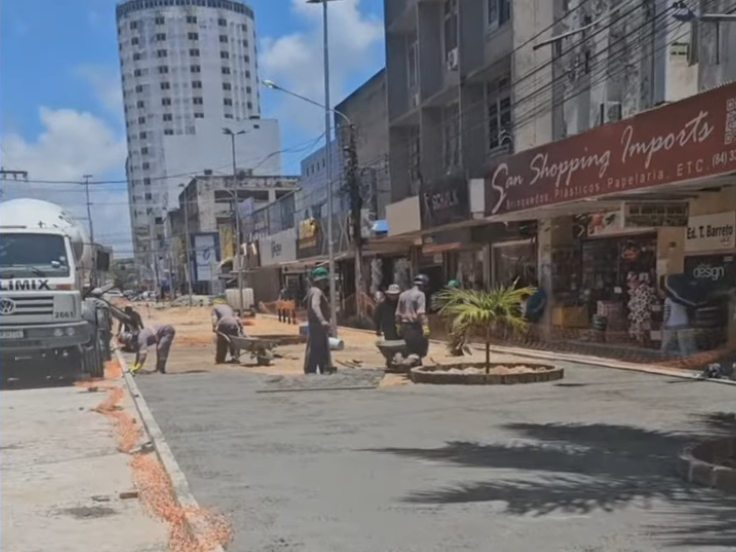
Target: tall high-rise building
(189,72)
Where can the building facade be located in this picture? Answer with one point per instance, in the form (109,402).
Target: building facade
(189,70)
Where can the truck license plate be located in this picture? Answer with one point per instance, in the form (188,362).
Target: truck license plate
(11,334)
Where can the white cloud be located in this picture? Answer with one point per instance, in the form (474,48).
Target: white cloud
(105,83)
(295,61)
(71,145)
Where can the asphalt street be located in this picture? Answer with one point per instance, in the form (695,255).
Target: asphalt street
(587,464)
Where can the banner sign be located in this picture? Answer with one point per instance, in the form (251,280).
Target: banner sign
(691,139)
(206,256)
(444,201)
(278,248)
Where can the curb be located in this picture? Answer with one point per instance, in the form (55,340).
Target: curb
(706,474)
(196,525)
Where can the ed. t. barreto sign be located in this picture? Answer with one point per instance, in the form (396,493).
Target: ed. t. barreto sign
(693,138)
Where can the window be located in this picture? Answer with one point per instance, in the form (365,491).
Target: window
(144,151)
(247,74)
(137,56)
(228,116)
(196,69)
(165,85)
(227,101)
(245,43)
(243,27)
(250,105)
(246,58)
(160,20)
(143,135)
(146,181)
(248,89)
(146,166)
(193,36)
(225,70)
(451,136)
(141,120)
(160,37)
(149,197)
(498,105)
(162,53)
(194,52)
(222,22)
(139,88)
(450,25)
(133,25)
(168,117)
(134,41)
(227,86)
(168,132)
(196,84)
(224,55)
(199,115)
(198,100)
(412,63)
(223,38)
(140,104)
(163,69)
(191,18)
(499,12)
(137,73)
(165,101)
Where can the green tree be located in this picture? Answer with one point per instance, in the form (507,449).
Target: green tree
(480,313)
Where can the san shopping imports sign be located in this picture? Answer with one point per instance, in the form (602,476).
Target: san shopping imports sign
(690,139)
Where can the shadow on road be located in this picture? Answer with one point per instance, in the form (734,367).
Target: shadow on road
(581,468)
(36,382)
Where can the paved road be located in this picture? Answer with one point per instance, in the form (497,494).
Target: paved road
(56,456)
(585,465)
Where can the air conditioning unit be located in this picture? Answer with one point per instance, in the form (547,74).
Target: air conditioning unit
(610,112)
(453,58)
(414,100)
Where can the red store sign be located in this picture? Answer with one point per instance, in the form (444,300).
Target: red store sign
(690,139)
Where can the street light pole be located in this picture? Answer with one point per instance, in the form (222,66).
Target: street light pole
(186,244)
(234,195)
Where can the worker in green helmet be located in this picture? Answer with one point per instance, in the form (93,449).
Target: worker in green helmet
(317,358)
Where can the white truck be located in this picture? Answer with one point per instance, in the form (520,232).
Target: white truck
(48,320)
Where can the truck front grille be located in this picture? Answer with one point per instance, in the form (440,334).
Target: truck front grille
(31,305)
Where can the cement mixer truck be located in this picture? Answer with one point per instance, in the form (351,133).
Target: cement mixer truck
(48,319)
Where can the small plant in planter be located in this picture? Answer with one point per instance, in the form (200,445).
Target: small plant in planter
(480,313)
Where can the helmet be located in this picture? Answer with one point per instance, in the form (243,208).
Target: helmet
(393,289)
(421,280)
(220,301)
(453,284)
(320,274)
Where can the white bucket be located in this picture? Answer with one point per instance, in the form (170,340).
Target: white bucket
(336,344)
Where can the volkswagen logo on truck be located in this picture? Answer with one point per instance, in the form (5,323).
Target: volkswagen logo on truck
(7,306)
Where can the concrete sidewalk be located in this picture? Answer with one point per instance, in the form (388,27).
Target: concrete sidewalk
(62,476)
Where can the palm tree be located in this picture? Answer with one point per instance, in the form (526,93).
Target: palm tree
(479,313)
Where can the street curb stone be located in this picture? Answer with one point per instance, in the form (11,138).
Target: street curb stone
(695,465)
(196,525)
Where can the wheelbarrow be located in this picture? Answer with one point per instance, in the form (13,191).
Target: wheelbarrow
(398,359)
(260,348)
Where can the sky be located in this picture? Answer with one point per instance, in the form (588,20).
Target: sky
(61,113)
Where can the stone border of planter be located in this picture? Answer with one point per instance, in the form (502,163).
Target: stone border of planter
(700,464)
(438,374)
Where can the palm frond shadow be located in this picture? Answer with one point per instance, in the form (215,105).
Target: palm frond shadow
(581,468)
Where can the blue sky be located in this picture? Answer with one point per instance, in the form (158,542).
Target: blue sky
(60,110)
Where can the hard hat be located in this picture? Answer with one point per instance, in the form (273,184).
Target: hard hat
(421,279)
(393,289)
(320,274)
(453,284)
(220,301)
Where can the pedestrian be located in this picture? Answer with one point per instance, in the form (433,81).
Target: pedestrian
(280,305)
(317,358)
(225,324)
(384,315)
(162,337)
(677,333)
(411,316)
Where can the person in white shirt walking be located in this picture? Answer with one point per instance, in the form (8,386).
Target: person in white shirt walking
(676,331)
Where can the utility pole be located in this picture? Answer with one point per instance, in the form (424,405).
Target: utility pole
(186,247)
(356,206)
(89,208)
(234,195)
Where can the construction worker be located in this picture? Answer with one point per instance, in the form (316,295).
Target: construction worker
(411,317)
(162,337)
(385,314)
(317,358)
(225,324)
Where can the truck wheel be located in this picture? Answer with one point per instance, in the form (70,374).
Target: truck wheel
(92,363)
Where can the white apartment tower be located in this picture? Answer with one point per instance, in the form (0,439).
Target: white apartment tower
(189,71)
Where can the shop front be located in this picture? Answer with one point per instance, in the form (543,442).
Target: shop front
(620,210)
